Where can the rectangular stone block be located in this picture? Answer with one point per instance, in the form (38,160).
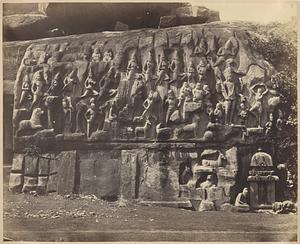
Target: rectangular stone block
(100,173)
(30,165)
(15,182)
(66,173)
(30,184)
(18,163)
(42,184)
(43,166)
(52,183)
(215,193)
(53,165)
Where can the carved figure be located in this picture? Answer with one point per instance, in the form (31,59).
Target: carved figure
(207,97)
(201,48)
(219,113)
(243,113)
(90,86)
(175,66)
(191,75)
(56,86)
(148,105)
(229,92)
(143,130)
(96,55)
(192,127)
(108,56)
(269,126)
(198,93)
(280,122)
(33,123)
(202,69)
(25,94)
(47,76)
(67,110)
(37,88)
(185,93)
(90,115)
(162,70)
(257,106)
(43,58)
(149,67)
(171,105)
(242,201)
(72,86)
(139,93)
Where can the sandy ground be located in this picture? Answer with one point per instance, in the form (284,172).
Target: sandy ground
(74,218)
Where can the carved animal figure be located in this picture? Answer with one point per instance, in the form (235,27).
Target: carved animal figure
(142,129)
(33,123)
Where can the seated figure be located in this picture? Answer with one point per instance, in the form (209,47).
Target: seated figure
(241,201)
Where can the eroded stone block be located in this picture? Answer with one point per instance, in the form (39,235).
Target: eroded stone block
(30,184)
(15,182)
(66,173)
(42,184)
(18,163)
(31,165)
(43,166)
(52,183)
(100,173)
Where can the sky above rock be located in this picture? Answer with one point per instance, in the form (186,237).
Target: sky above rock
(258,11)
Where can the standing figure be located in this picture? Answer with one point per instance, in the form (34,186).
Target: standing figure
(90,116)
(207,98)
(171,103)
(243,113)
(269,126)
(148,105)
(72,86)
(37,87)
(230,90)
(185,94)
(131,68)
(67,110)
(162,70)
(175,66)
(148,68)
(257,106)
(280,122)
(25,94)
(52,100)
(191,75)
(202,69)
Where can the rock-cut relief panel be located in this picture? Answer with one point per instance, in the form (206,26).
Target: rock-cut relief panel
(163,86)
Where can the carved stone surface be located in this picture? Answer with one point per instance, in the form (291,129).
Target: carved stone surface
(191,83)
(66,173)
(15,182)
(100,177)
